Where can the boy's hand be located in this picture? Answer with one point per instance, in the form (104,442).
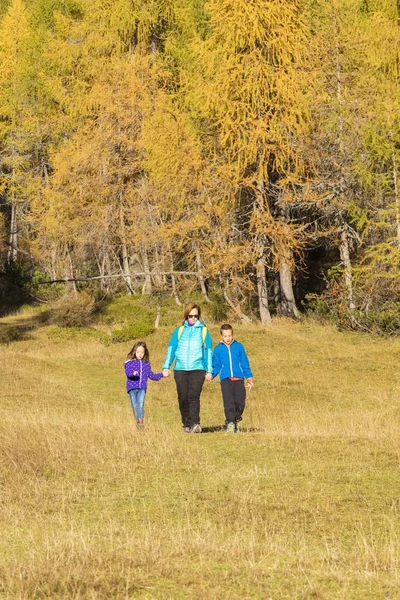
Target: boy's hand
(209,377)
(166,372)
(250,383)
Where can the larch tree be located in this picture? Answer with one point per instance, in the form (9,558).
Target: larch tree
(377,165)
(20,134)
(251,89)
(103,82)
(356,53)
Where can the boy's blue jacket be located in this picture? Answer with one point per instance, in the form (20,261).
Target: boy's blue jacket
(188,351)
(231,361)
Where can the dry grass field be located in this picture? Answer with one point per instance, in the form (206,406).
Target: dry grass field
(303,504)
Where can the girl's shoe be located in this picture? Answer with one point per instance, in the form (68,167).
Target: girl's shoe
(140,424)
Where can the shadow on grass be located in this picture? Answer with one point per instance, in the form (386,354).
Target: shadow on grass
(212,429)
(15,332)
(19,329)
(215,428)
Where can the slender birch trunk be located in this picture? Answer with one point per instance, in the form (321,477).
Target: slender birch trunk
(200,277)
(158,315)
(12,253)
(262,290)
(124,252)
(147,285)
(53,260)
(71,270)
(173,279)
(344,249)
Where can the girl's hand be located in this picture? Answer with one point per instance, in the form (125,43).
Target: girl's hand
(136,373)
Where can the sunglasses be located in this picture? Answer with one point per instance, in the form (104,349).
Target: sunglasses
(193,316)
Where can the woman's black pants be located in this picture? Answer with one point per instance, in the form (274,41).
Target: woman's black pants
(189,385)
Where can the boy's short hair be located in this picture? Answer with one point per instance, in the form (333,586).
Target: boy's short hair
(226,327)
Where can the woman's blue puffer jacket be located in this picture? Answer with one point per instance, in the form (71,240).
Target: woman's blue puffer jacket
(189,351)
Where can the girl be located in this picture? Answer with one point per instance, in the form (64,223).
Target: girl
(138,371)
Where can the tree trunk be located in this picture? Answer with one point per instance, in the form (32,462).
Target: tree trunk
(71,271)
(396,198)
(348,273)
(53,260)
(200,267)
(12,253)
(157,266)
(173,280)
(124,252)
(158,315)
(288,303)
(262,289)
(277,294)
(234,306)
(396,190)
(260,207)
(147,286)
(338,78)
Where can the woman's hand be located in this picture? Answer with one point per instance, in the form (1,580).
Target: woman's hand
(209,377)
(166,372)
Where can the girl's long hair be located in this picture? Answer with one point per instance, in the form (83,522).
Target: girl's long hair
(132,353)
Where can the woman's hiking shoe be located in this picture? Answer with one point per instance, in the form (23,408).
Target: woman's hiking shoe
(187,430)
(196,428)
(230,428)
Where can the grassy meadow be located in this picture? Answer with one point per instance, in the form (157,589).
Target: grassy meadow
(303,504)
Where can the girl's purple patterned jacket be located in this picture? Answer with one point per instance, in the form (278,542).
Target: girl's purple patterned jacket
(144,372)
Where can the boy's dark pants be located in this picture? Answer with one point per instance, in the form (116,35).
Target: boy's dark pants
(189,385)
(234,397)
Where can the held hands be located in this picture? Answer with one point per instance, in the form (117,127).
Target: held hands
(209,377)
(166,372)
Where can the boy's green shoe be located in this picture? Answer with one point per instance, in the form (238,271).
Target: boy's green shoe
(230,428)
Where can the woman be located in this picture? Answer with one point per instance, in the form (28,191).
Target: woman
(191,348)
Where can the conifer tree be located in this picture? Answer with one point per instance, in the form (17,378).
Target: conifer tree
(18,108)
(251,89)
(377,165)
(352,122)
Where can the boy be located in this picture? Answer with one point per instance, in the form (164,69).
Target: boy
(230,362)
